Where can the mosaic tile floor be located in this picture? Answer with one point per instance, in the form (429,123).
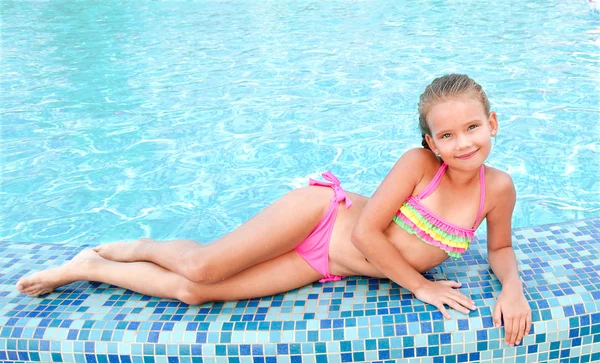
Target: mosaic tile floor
(354,320)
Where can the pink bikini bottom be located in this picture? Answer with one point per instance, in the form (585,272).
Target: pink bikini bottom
(315,248)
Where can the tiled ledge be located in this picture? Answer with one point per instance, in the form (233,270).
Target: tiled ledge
(357,319)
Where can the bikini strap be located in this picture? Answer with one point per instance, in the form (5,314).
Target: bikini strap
(340,194)
(482,194)
(433,184)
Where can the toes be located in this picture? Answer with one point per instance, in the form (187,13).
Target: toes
(23,285)
(36,290)
(39,292)
(30,292)
(29,289)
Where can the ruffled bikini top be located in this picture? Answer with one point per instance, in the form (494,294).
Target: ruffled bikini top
(414,218)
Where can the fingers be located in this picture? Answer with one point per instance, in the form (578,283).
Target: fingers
(443,310)
(515,329)
(509,333)
(459,297)
(463,300)
(455,299)
(458,307)
(520,329)
(460,303)
(450,283)
(497,316)
(447,296)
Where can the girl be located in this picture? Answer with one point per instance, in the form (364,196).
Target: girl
(426,209)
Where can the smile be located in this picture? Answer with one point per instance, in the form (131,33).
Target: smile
(467,156)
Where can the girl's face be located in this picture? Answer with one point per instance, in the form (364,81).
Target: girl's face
(461,132)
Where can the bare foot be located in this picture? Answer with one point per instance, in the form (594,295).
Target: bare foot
(122,251)
(46,281)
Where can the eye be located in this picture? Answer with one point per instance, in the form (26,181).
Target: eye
(445,136)
(472,127)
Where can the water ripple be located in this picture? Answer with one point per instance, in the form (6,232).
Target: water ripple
(175,121)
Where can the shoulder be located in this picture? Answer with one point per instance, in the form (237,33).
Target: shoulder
(414,164)
(499,187)
(421,158)
(417,163)
(498,181)
(420,152)
(395,188)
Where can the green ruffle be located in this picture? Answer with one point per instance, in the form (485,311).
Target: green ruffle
(407,228)
(439,231)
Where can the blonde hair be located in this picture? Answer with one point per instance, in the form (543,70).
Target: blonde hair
(444,88)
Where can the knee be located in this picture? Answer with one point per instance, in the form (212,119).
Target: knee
(199,268)
(191,294)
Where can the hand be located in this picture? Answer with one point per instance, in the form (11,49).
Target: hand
(438,293)
(512,305)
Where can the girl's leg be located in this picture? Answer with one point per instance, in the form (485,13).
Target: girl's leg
(276,230)
(143,277)
(283,273)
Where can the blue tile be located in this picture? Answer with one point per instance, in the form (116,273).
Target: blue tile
(282,349)
(445,339)
(201,337)
(244,349)
(257,349)
(196,349)
(373,317)
(153,336)
(401,329)
(359,357)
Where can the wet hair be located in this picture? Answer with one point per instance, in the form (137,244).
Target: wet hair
(444,88)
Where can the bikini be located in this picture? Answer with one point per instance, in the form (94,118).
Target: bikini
(413,217)
(416,219)
(315,248)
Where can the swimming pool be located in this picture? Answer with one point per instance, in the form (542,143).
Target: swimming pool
(178,120)
(172,120)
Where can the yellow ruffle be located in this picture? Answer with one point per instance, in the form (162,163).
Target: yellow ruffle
(427,229)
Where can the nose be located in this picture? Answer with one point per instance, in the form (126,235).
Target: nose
(463,142)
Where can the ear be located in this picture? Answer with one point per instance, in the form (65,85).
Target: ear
(493,120)
(431,144)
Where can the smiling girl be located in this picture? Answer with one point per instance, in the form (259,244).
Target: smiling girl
(426,209)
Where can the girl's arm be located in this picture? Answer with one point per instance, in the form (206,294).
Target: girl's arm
(368,235)
(499,246)
(511,304)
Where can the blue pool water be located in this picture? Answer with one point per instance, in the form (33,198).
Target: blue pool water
(121,120)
